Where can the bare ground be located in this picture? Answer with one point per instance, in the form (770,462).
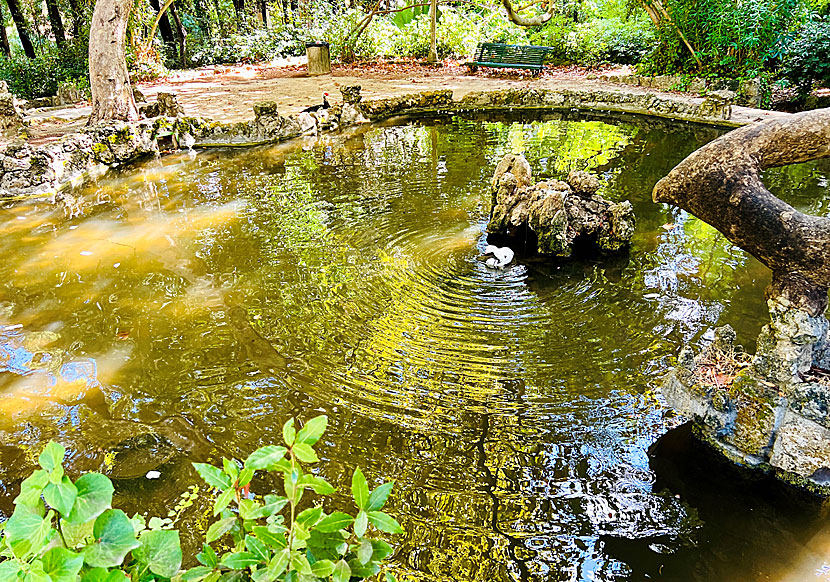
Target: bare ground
(228,93)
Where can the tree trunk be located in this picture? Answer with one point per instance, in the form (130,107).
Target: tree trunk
(721,184)
(263,10)
(4,39)
(77,18)
(55,22)
(112,96)
(433,45)
(22,29)
(165,29)
(241,21)
(181,35)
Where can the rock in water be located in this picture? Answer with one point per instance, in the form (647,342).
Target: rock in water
(558,213)
(138,455)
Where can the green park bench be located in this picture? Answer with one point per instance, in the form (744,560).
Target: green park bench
(513,56)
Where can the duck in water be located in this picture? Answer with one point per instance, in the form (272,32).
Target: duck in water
(497,257)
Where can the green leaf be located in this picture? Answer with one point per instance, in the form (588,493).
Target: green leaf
(334,522)
(313,430)
(223,500)
(273,504)
(279,563)
(310,516)
(32,488)
(273,540)
(36,573)
(76,533)
(380,550)
(61,565)
(52,456)
(320,485)
(360,524)
(245,476)
(322,568)
(342,572)
(360,489)
(9,570)
(94,498)
(385,522)
(219,528)
(196,574)
(239,560)
(160,550)
(304,453)
(27,532)
(231,468)
(114,538)
(289,433)
(257,548)
(379,496)
(61,496)
(264,457)
(300,563)
(390,577)
(364,552)
(207,557)
(363,570)
(104,575)
(213,476)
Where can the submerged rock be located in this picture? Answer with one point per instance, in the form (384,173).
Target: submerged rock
(558,213)
(136,456)
(770,410)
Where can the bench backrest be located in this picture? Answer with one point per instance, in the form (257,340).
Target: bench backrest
(493,52)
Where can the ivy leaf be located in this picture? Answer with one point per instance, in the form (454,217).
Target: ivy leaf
(219,528)
(289,433)
(364,552)
(76,533)
(360,489)
(52,456)
(385,522)
(114,538)
(313,430)
(304,453)
(27,532)
(104,575)
(161,550)
(239,560)
(264,457)
(94,498)
(9,570)
(61,496)
(213,476)
(342,572)
(379,496)
(61,565)
(32,488)
(36,573)
(360,524)
(334,522)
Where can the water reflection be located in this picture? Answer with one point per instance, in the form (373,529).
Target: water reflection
(207,299)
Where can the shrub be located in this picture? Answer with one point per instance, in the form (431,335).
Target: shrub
(807,57)
(41,76)
(65,531)
(610,40)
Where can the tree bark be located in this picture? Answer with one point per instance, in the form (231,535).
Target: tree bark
(181,35)
(537,20)
(22,28)
(433,45)
(112,96)
(77,18)
(165,29)
(721,184)
(4,39)
(55,22)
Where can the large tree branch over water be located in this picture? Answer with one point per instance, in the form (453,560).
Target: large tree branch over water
(721,184)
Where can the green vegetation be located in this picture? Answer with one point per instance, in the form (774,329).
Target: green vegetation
(65,531)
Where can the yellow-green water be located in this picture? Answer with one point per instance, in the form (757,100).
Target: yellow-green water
(212,297)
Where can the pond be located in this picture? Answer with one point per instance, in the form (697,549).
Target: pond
(211,297)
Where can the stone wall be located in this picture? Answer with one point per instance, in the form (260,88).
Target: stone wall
(746,92)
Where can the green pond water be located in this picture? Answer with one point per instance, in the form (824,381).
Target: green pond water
(208,298)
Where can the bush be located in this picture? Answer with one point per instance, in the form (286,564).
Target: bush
(63,531)
(260,45)
(41,76)
(807,57)
(611,40)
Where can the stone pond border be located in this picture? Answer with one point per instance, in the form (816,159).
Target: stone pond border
(27,170)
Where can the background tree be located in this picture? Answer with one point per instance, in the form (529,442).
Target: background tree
(109,80)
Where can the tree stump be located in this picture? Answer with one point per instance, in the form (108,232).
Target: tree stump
(319,62)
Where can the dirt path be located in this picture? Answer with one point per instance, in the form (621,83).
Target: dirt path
(228,93)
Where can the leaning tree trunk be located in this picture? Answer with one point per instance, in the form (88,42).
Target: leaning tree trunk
(112,96)
(4,39)
(164,26)
(721,184)
(55,22)
(22,28)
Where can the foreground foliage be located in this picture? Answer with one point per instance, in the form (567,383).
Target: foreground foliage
(65,531)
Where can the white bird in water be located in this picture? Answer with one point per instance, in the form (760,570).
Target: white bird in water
(498,257)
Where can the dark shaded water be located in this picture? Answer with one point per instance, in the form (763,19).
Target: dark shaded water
(210,298)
